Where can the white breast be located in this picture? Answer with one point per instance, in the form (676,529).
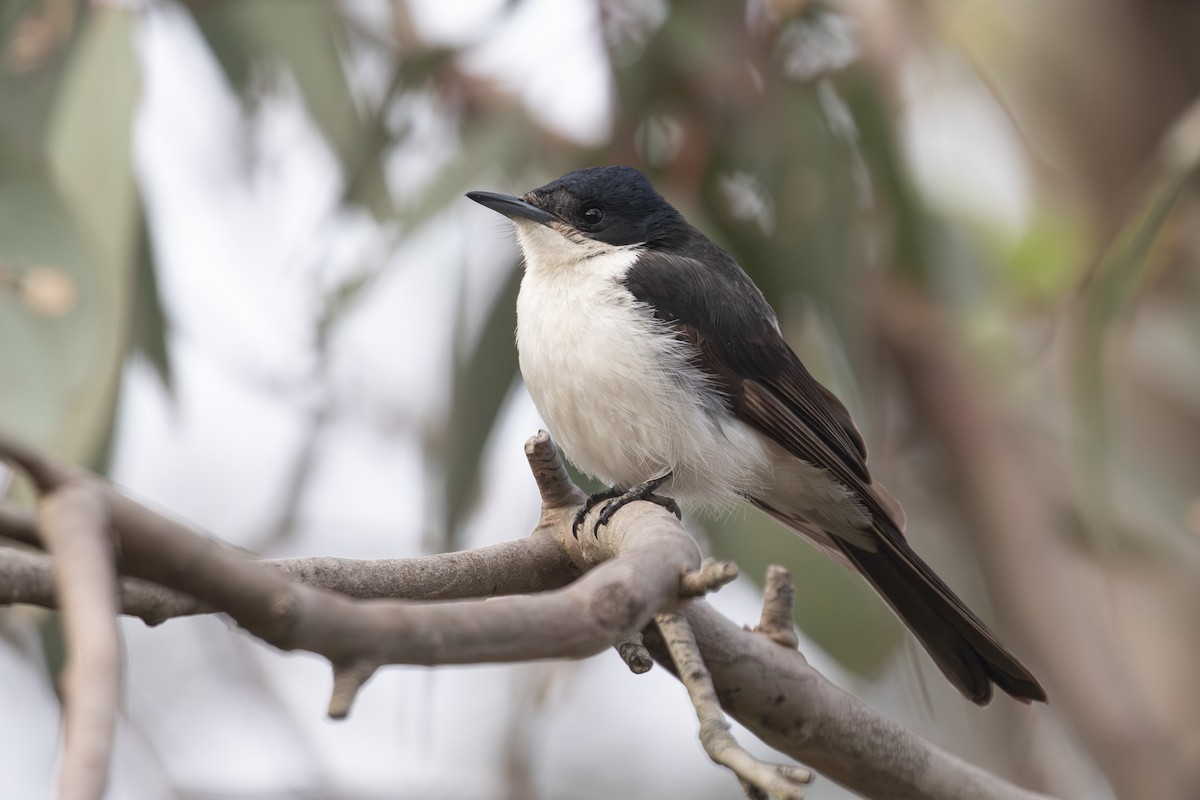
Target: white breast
(614,386)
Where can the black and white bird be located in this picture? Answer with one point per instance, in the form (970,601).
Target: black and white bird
(657,364)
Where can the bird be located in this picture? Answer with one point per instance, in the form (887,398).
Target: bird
(660,370)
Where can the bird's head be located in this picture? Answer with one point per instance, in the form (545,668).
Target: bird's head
(586,213)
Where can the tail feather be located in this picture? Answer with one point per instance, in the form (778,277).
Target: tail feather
(963,648)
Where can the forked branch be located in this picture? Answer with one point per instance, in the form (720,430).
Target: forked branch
(564,598)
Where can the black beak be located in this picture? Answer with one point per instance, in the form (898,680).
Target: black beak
(511,206)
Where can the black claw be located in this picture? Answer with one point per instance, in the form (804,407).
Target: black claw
(618,500)
(610,508)
(588,505)
(666,502)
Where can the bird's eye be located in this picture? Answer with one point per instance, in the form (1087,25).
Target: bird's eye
(593,215)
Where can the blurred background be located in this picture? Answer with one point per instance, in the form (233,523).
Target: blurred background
(239,277)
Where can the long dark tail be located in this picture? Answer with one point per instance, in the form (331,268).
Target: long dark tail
(967,653)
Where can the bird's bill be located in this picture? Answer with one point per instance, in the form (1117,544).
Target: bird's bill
(511,207)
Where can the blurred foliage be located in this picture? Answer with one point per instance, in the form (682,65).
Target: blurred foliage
(1124,268)
(302,39)
(482,377)
(71,223)
(777,127)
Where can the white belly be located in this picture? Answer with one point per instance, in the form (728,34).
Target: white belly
(618,394)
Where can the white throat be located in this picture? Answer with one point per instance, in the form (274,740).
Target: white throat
(560,248)
(615,386)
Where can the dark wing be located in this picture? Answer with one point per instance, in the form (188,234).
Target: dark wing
(713,304)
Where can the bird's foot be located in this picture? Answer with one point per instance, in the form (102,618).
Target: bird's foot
(628,497)
(643,491)
(589,504)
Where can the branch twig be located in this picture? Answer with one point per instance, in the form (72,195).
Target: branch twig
(758,777)
(635,564)
(774,692)
(19,525)
(519,566)
(712,575)
(779,601)
(634,569)
(73,521)
(635,655)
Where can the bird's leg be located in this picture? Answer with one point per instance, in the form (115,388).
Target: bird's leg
(590,503)
(642,491)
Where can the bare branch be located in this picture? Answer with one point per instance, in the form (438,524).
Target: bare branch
(613,600)
(46,473)
(635,655)
(776,694)
(632,570)
(760,778)
(519,566)
(73,519)
(712,575)
(555,486)
(27,578)
(347,680)
(638,560)
(19,525)
(779,601)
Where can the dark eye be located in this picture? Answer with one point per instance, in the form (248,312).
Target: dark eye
(593,216)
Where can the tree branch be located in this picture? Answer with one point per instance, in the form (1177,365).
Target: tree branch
(758,777)
(774,692)
(519,566)
(596,591)
(19,525)
(779,601)
(73,522)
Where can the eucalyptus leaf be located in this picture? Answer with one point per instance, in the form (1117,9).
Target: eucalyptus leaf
(89,141)
(481,382)
(894,190)
(67,230)
(365,184)
(500,141)
(28,87)
(305,37)
(56,353)
(10,14)
(149,320)
(1107,293)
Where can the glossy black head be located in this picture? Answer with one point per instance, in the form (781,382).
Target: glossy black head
(614,205)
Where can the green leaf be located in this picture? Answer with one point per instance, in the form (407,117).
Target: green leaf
(149,321)
(67,228)
(365,184)
(482,380)
(10,14)
(303,37)
(89,141)
(1107,294)
(1044,265)
(56,354)
(911,223)
(27,90)
(499,141)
